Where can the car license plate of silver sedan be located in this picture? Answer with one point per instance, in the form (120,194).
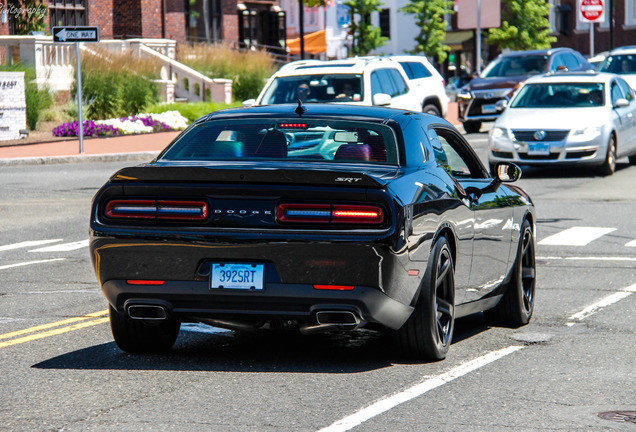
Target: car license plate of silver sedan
(540,149)
(237,276)
(489,109)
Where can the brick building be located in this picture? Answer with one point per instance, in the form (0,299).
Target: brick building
(234,22)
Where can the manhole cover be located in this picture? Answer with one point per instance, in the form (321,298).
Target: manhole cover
(619,416)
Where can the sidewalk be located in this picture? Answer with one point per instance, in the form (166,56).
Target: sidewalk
(143,147)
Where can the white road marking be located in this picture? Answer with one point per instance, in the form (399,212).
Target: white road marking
(8,266)
(588,258)
(65,247)
(26,244)
(631,243)
(576,236)
(390,402)
(607,301)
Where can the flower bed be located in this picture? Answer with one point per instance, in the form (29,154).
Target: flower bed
(141,123)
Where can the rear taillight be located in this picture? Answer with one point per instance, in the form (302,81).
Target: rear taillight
(157,209)
(328,213)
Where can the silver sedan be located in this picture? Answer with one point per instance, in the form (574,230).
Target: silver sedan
(567,118)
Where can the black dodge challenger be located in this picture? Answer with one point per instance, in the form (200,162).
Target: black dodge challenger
(316,219)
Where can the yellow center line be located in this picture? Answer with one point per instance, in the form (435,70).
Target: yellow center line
(53,332)
(53,324)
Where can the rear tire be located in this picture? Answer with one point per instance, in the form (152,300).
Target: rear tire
(428,332)
(632,159)
(472,126)
(141,337)
(517,305)
(431,109)
(609,165)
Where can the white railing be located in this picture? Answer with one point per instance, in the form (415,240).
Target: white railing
(54,65)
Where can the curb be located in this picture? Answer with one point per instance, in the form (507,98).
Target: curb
(112,157)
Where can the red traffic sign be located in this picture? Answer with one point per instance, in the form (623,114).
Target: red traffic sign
(592,10)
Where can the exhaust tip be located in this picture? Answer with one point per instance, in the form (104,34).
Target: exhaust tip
(147,312)
(340,318)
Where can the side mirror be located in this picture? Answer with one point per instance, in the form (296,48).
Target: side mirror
(501,105)
(506,172)
(248,103)
(621,103)
(381,99)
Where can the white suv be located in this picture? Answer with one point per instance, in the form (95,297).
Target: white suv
(357,81)
(427,82)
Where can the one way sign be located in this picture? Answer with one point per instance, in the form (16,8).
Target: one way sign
(75,34)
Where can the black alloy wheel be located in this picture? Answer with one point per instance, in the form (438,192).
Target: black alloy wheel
(609,165)
(143,337)
(517,305)
(428,333)
(472,126)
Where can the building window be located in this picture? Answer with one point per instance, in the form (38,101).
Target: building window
(630,12)
(67,13)
(385,23)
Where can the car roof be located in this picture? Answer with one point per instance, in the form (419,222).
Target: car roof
(548,51)
(321,110)
(628,49)
(350,65)
(583,77)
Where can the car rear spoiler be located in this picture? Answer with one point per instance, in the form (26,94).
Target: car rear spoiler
(375,178)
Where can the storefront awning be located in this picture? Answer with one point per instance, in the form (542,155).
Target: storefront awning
(315,43)
(456,39)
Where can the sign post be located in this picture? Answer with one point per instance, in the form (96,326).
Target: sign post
(77,35)
(591,11)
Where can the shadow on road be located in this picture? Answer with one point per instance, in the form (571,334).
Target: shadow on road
(351,352)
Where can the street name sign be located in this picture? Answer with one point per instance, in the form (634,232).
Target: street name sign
(75,34)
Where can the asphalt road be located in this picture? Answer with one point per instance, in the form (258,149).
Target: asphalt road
(61,370)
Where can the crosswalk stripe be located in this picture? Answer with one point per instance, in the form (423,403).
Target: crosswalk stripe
(65,247)
(631,243)
(8,266)
(576,236)
(26,244)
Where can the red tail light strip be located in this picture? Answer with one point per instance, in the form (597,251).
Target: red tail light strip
(157,209)
(327,213)
(144,282)
(334,287)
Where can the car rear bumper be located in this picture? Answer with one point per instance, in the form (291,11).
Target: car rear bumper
(296,303)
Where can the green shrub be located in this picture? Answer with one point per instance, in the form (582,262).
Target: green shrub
(119,87)
(191,111)
(37,100)
(248,70)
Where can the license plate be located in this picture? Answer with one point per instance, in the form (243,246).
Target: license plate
(237,276)
(488,109)
(539,149)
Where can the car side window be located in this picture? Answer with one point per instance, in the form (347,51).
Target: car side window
(452,154)
(627,90)
(617,92)
(570,61)
(556,62)
(376,86)
(386,83)
(415,70)
(399,83)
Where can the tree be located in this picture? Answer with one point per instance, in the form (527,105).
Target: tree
(366,37)
(27,15)
(429,17)
(525,26)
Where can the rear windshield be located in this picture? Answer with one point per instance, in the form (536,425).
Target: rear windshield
(559,95)
(516,66)
(293,139)
(314,88)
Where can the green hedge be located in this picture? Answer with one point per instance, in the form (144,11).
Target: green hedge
(191,111)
